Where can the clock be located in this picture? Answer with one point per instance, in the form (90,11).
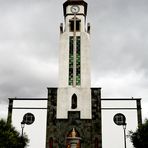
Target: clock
(75,9)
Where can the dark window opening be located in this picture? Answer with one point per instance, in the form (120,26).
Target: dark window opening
(51,142)
(28,118)
(77,25)
(96,143)
(74,102)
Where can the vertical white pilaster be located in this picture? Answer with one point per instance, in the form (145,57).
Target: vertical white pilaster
(82,91)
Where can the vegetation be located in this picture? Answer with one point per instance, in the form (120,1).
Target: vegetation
(139,138)
(9,137)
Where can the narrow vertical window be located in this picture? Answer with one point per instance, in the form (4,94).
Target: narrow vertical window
(51,142)
(78,60)
(96,143)
(71,60)
(74,101)
(71,22)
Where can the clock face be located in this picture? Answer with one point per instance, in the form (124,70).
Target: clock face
(75,9)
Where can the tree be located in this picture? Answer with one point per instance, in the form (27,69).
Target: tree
(9,137)
(140,137)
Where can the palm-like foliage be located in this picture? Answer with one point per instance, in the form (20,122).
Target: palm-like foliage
(9,137)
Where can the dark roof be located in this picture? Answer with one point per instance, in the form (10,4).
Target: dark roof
(75,2)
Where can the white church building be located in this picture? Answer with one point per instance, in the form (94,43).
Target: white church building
(74,105)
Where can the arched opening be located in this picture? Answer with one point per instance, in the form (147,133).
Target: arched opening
(50,142)
(96,143)
(70,134)
(74,101)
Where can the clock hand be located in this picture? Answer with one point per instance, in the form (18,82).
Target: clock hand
(74,8)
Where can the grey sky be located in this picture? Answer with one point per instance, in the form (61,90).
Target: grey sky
(29,37)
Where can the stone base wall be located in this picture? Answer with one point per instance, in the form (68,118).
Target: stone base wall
(88,129)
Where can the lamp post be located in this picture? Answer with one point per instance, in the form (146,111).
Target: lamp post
(124,129)
(120,119)
(22,126)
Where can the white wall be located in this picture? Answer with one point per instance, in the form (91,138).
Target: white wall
(37,131)
(112,134)
(64,102)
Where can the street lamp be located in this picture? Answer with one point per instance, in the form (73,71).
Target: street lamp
(120,119)
(28,119)
(22,126)
(124,128)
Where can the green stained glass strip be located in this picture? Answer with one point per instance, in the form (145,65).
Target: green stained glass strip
(78,63)
(78,60)
(70,60)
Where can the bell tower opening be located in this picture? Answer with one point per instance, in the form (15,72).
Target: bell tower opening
(71,23)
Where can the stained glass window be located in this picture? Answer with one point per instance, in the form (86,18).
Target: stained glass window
(78,60)
(71,60)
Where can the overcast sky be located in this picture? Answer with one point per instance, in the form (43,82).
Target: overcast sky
(29,44)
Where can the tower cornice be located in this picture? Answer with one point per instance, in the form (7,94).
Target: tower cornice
(75,2)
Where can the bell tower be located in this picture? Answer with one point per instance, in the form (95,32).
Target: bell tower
(74,65)
(74,61)
(74,104)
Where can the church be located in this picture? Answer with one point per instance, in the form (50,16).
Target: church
(73,114)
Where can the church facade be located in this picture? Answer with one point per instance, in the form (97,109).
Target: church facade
(74,104)
(73,110)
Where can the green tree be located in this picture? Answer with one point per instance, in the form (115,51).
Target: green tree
(9,137)
(139,138)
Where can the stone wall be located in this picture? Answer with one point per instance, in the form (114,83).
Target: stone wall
(89,129)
